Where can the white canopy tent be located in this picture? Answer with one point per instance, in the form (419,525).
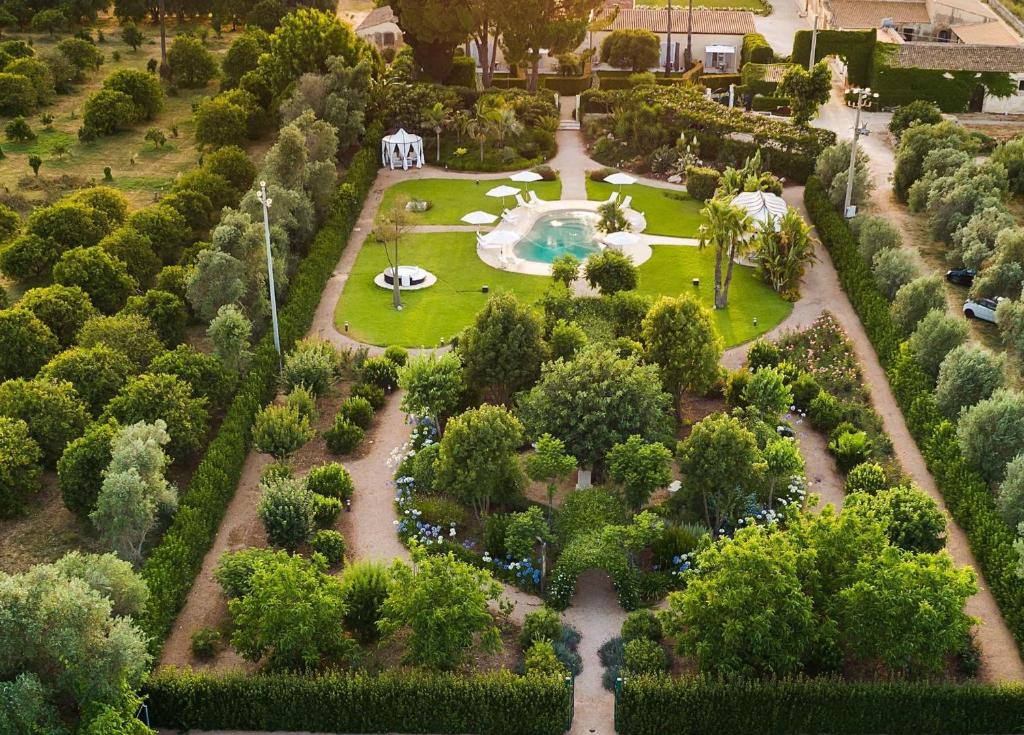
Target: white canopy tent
(621,240)
(401,149)
(762,206)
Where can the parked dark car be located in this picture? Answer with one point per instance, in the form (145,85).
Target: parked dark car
(961,276)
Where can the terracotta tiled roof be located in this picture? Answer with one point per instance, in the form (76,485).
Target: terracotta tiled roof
(994,33)
(727,22)
(862,14)
(383,14)
(959,57)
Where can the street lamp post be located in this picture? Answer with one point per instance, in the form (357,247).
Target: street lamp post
(266,201)
(862,95)
(688,54)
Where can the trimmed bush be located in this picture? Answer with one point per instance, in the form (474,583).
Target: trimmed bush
(380,372)
(540,625)
(325,511)
(313,363)
(643,656)
(357,410)
(280,431)
(286,510)
(371,393)
(867,477)
(641,624)
(364,586)
(205,643)
(329,543)
(332,481)
(701,182)
(343,437)
(397,355)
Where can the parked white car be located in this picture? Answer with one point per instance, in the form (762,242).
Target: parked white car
(984,309)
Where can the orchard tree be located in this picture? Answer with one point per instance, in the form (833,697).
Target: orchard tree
(64,309)
(682,341)
(291,617)
(136,251)
(432,386)
(218,280)
(144,89)
(968,374)
(915,300)
(757,570)
(54,413)
(807,90)
(150,397)
(639,468)
(1010,498)
(595,401)
(130,334)
(991,433)
(165,227)
(135,493)
(477,461)
(207,376)
(81,467)
(165,311)
(191,64)
(911,519)
(634,49)
(445,604)
(230,332)
(1010,318)
(131,35)
(503,349)
(27,344)
(20,468)
(549,463)
(721,466)
(102,276)
(97,373)
(833,167)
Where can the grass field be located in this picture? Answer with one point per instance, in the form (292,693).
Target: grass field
(138,168)
(442,311)
(453,198)
(668,212)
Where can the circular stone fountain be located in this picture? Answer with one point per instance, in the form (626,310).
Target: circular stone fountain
(410,278)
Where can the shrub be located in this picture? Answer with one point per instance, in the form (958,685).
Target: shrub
(544,624)
(397,355)
(805,389)
(325,511)
(302,402)
(191,64)
(280,431)
(20,469)
(144,89)
(441,512)
(329,543)
(17,95)
(27,344)
(364,587)
(165,311)
(371,393)
(106,112)
(332,481)
(19,131)
(867,477)
(54,413)
(991,433)
(205,643)
(81,466)
(151,397)
(424,469)
(313,364)
(130,334)
(892,269)
(97,373)
(701,183)
(915,299)
(911,519)
(850,448)
(918,112)
(207,376)
(102,276)
(286,509)
(234,569)
(380,372)
(567,338)
(357,410)
(641,624)
(343,437)
(644,656)
(565,269)
(220,122)
(541,660)
(936,336)
(967,375)
(610,272)
(825,412)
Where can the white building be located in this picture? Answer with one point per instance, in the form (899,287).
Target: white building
(717,35)
(381,28)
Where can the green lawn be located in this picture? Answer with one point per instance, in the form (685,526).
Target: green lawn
(671,271)
(453,198)
(439,312)
(668,212)
(442,311)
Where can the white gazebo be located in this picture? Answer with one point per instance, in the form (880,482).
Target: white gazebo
(401,150)
(762,207)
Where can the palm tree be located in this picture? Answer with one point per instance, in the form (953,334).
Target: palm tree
(502,123)
(435,118)
(460,123)
(478,131)
(783,256)
(613,219)
(727,229)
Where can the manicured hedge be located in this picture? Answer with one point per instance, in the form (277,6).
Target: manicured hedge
(756,50)
(567,85)
(856,47)
(407,702)
(965,492)
(173,564)
(664,706)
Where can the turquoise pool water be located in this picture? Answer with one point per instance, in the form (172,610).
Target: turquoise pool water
(570,231)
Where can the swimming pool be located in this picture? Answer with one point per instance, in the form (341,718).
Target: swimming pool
(569,231)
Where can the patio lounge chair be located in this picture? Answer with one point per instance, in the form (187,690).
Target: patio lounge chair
(534,199)
(509,216)
(627,201)
(520,201)
(612,197)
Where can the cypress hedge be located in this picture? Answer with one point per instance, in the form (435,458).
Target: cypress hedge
(697,706)
(967,496)
(173,564)
(405,702)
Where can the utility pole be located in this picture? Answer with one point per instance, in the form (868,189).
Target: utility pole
(668,43)
(688,55)
(814,43)
(266,202)
(862,95)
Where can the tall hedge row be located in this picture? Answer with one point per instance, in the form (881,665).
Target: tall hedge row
(856,47)
(664,706)
(407,702)
(967,496)
(172,566)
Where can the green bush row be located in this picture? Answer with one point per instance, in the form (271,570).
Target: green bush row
(856,48)
(964,490)
(173,564)
(406,702)
(663,706)
(567,85)
(756,50)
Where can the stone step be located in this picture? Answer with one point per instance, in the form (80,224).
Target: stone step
(568,125)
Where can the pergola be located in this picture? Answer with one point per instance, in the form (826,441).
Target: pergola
(401,149)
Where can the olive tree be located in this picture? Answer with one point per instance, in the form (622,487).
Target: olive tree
(968,374)
(936,336)
(991,433)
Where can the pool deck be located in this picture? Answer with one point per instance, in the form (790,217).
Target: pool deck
(521,220)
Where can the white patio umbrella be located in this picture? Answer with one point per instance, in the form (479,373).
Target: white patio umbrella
(501,239)
(762,206)
(620,179)
(620,240)
(480,218)
(526,177)
(500,192)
